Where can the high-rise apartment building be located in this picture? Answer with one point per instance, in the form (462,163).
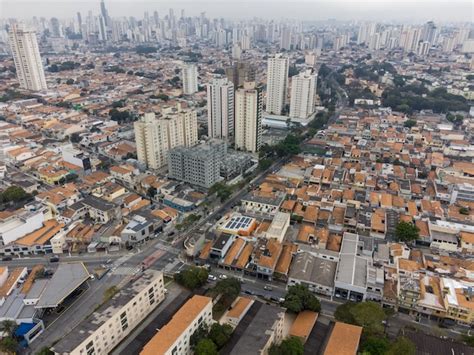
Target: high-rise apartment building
(220,108)
(277,83)
(190,79)
(199,165)
(239,73)
(26,55)
(154,136)
(303,90)
(248,118)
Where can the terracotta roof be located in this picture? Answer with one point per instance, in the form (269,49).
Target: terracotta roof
(182,319)
(344,339)
(284,261)
(42,235)
(303,324)
(234,250)
(239,307)
(244,256)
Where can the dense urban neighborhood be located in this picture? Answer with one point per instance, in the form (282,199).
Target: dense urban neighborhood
(176,184)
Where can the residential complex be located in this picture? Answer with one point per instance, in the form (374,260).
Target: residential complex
(303,94)
(190,79)
(26,55)
(248,118)
(220,108)
(156,136)
(277,84)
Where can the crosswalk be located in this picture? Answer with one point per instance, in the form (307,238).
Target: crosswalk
(127,270)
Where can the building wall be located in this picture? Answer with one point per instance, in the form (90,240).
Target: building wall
(277,83)
(190,79)
(303,90)
(119,325)
(220,108)
(26,56)
(248,118)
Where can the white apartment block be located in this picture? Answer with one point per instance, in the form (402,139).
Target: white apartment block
(174,338)
(190,79)
(26,55)
(154,136)
(303,91)
(248,118)
(104,329)
(220,108)
(277,83)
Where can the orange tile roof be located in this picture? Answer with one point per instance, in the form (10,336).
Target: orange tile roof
(13,277)
(206,250)
(239,307)
(284,261)
(274,248)
(182,319)
(334,242)
(344,339)
(42,235)
(303,324)
(244,256)
(467,237)
(305,231)
(311,214)
(234,250)
(31,278)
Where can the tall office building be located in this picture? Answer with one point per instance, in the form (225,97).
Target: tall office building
(104,13)
(190,79)
(220,108)
(303,90)
(154,136)
(277,83)
(26,55)
(285,38)
(248,118)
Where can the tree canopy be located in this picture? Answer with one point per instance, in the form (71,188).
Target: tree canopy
(403,346)
(300,298)
(192,277)
(289,346)
(205,347)
(13,193)
(406,232)
(369,315)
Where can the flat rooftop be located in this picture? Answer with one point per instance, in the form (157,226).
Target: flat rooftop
(67,278)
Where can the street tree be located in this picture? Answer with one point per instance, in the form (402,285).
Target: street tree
(300,298)
(406,232)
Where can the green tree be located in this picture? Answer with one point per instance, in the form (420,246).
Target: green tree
(8,326)
(220,334)
(300,298)
(464,211)
(343,313)
(468,339)
(406,232)
(410,123)
(403,346)
(192,277)
(264,164)
(8,345)
(45,351)
(206,347)
(369,315)
(13,193)
(75,138)
(375,346)
(289,346)
(200,333)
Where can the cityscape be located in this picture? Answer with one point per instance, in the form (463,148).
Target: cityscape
(236,178)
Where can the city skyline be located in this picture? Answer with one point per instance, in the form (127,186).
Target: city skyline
(343,10)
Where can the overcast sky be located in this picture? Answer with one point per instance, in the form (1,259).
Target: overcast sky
(400,10)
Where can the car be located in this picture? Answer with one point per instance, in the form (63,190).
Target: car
(249,292)
(54,259)
(268,288)
(108,261)
(222,277)
(171,233)
(211,278)
(7,258)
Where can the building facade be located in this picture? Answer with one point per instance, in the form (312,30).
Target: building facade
(303,91)
(199,165)
(155,137)
(248,118)
(26,55)
(277,83)
(220,108)
(190,79)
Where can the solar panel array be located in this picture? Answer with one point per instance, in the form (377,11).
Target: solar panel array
(240,222)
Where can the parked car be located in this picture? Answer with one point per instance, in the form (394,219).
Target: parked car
(222,277)
(211,278)
(268,288)
(7,258)
(54,259)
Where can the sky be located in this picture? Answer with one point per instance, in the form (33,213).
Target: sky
(345,10)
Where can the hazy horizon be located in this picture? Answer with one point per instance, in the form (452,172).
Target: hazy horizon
(344,10)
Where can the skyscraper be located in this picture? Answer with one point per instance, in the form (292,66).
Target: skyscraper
(248,118)
(239,73)
(303,90)
(190,79)
(220,108)
(104,13)
(154,136)
(26,55)
(277,83)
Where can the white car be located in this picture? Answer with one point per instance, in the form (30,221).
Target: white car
(222,277)
(212,278)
